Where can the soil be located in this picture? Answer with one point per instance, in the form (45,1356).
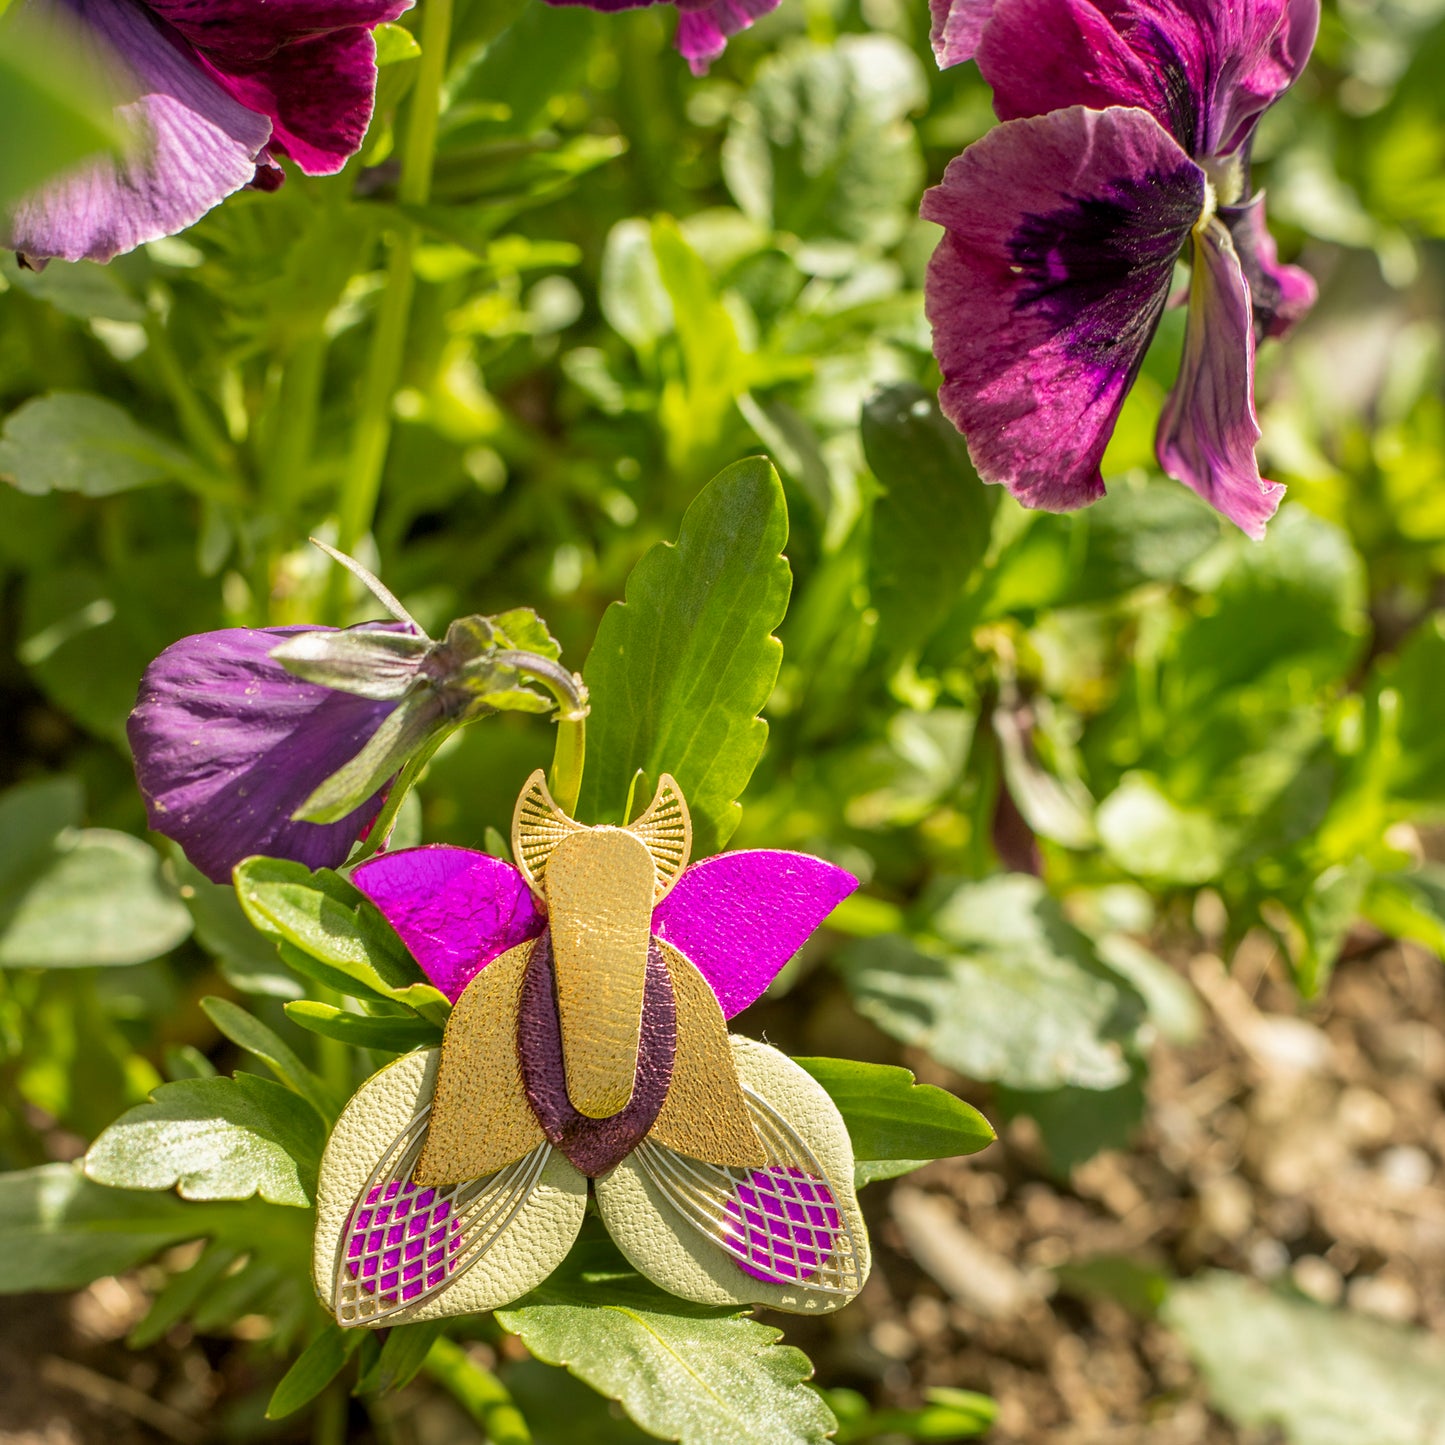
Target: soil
(1294,1142)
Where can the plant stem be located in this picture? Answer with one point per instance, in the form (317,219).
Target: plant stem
(571,749)
(372,437)
(406,780)
(479,1392)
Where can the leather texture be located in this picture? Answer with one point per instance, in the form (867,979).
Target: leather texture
(705,1114)
(660,1243)
(593,1145)
(599,885)
(481,1121)
(532,1246)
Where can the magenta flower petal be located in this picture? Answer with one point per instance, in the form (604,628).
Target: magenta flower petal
(1280,295)
(703,29)
(310,65)
(455,910)
(319,93)
(191,144)
(957,28)
(1204,71)
(739,917)
(1208,432)
(1062,232)
(253,30)
(228,744)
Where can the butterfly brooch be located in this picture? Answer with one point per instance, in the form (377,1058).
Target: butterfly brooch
(588,1041)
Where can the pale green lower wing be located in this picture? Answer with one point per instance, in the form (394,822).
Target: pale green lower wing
(789,1236)
(389,1252)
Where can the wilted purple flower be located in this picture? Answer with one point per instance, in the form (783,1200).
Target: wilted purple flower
(1126,136)
(208,93)
(228,744)
(703,26)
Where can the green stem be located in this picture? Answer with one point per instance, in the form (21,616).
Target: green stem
(328,1419)
(362,485)
(479,1392)
(204,436)
(406,780)
(572,707)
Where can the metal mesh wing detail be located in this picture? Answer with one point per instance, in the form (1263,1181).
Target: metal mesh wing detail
(403,1244)
(666,830)
(782,1224)
(538,825)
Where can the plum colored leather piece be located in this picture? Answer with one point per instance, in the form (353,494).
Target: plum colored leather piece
(593,1145)
(455,909)
(741,916)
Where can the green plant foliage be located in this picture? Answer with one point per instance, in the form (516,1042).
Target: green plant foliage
(1324,1377)
(60,1230)
(682,1372)
(325,919)
(214,1139)
(895,1123)
(1002,987)
(78,897)
(680,671)
(315,1368)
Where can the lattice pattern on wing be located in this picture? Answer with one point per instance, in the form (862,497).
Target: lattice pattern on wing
(781,1223)
(538,825)
(666,829)
(403,1244)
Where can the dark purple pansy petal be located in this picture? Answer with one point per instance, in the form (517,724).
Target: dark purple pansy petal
(739,917)
(190,143)
(1280,295)
(228,744)
(455,910)
(609,7)
(319,93)
(703,28)
(1062,233)
(1204,69)
(957,28)
(252,30)
(1208,431)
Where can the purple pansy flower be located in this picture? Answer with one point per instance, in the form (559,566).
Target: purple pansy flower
(703,26)
(228,744)
(208,93)
(1126,135)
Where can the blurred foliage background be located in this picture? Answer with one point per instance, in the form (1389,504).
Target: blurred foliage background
(1079,762)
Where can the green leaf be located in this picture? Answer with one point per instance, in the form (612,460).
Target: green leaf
(1149,835)
(31,817)
(71,442)
(214,1139)
(248,960)
(315,1368)
(821,146)
(402,1355)
(680,671)
(1010,991)
(1322,1376)
(949,1415)
(891,1117)
(1411,690)
(1076,1124)
(630,290)
(60,1230)
(327,919)
(94,898)
(1410,905)
(683,1372)
(364,1031)
(247,1031)
(181,1294)
(931,526)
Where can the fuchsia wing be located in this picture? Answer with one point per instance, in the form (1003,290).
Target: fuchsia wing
(456,910)
(741,916)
